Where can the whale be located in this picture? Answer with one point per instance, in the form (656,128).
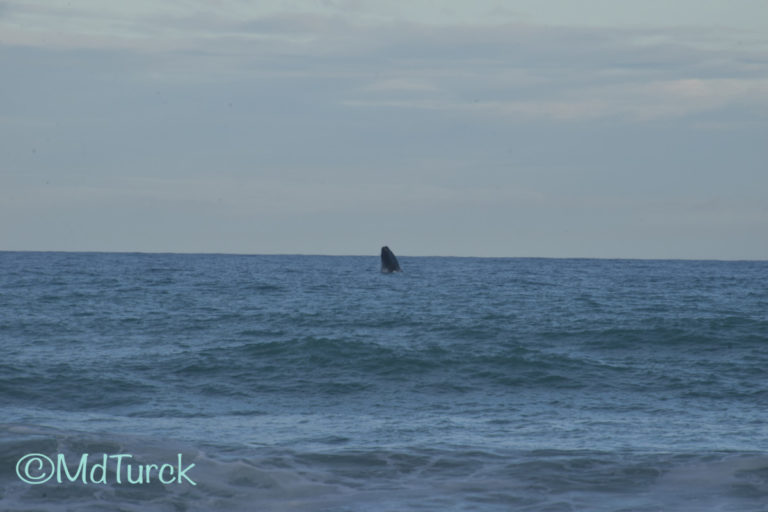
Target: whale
(389,262)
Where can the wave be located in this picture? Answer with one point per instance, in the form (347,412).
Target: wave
(443,478)
(621,359)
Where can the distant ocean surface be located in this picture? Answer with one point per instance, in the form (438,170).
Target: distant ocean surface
(317,383)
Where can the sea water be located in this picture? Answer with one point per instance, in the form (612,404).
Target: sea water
(317,383)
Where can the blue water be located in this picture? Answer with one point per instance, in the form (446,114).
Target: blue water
(317,383)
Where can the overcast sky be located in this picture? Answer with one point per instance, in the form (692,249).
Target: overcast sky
(603,128)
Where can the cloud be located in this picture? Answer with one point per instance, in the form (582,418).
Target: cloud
(633,101)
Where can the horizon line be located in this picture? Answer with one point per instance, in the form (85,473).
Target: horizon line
(374,254)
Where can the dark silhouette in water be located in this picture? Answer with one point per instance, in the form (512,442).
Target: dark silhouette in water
(388,261)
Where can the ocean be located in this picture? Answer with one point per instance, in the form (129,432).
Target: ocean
(317,383)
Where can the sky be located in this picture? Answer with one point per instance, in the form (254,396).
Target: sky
(546,128)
